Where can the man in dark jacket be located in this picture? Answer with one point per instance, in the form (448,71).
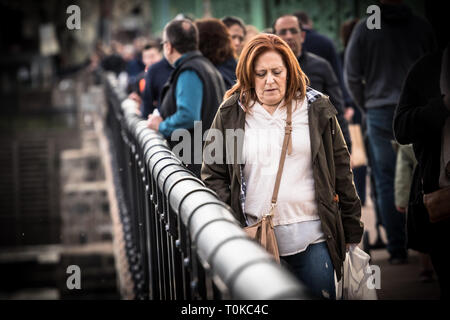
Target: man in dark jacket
(148,84)
(192,93)
(376,64)
(318,70)
(155,79)
(151,54)
(323,47)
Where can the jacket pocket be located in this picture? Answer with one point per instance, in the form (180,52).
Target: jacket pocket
(336,226)
(329,215)
(331,206)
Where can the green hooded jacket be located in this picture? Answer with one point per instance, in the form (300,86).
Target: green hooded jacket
(331,170)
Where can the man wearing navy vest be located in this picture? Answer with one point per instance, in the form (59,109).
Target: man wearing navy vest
(194,90)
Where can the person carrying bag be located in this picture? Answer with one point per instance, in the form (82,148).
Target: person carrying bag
(438,202)
(308,218)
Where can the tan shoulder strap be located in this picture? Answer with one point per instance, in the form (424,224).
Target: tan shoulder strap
(287,146)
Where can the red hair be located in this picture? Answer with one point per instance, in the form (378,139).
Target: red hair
(245,70)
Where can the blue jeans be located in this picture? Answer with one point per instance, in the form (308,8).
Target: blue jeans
(383,160)
(360,175)
(313,267)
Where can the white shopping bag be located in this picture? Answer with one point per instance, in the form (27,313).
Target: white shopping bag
(355,281)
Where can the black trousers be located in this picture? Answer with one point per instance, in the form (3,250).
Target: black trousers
(440,255)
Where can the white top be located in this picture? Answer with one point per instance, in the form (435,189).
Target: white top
(295,218)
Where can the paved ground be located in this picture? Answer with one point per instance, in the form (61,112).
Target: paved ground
(400,282)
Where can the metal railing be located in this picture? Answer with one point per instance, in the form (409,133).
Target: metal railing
(181,241)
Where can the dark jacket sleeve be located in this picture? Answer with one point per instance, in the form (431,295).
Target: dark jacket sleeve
(350,204)
(354,69)
(418,117)
(333,58)
(333,90)
(215,175)
(148,98)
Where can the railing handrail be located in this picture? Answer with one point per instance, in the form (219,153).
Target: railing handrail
(238,265)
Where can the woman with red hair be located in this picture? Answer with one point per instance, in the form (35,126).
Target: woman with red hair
(215,45)
(316,214)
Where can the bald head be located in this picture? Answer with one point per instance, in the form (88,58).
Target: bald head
(186,26)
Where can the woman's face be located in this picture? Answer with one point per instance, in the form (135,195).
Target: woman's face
(237,38)
(270,78)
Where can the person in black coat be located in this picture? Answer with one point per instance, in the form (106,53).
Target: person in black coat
(423,109)
(323,47)
(376,64)
(155,79)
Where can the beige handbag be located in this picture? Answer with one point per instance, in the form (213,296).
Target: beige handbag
(262,231)
(358,157)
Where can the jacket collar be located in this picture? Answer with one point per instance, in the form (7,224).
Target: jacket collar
(186,57)
(320,111)
(312,95)
(178,64)
(303,57)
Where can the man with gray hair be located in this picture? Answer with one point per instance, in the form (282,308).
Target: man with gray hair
(194,90)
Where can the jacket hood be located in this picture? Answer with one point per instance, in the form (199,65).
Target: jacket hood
(228,71)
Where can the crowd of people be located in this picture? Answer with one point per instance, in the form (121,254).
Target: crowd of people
(229,76)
